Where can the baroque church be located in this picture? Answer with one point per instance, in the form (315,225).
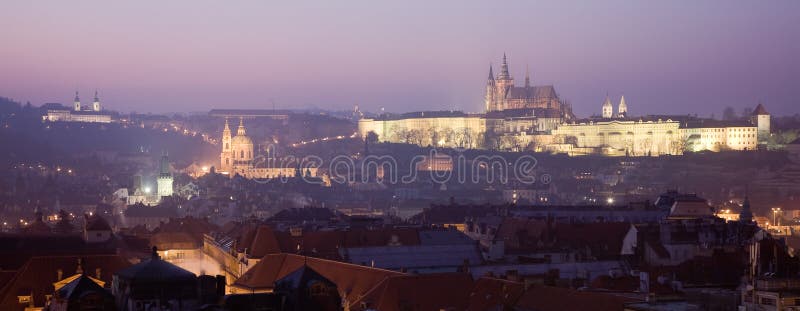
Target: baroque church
(238,157)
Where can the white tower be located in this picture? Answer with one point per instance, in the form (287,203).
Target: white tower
(608,109)
(225,160)
(96,103)
(165,178)
(77,102)
(760,118)
(622,111)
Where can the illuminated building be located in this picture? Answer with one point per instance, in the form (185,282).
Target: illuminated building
(78,114)
(238,157)
(164,178)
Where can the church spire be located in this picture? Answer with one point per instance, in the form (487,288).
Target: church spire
(527,77)
(491,74)
(504,68)
(77,98)
(97,99)
(77,102)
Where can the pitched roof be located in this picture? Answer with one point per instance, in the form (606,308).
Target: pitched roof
(39,273)
(544,91)
(155,270)
(445,291)
(760,110)
(80,285)
(547,298)
(97,223)
(351,280)
(494,294)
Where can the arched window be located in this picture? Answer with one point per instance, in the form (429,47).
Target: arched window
(242,154)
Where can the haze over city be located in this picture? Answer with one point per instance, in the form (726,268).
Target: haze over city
(680,57)
(399,155)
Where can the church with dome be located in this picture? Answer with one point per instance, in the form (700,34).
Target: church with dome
(238,157)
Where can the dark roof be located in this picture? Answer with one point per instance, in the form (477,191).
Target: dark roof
(97,223)
(442,291)
(80,286)
(155,270)
(39,273)
(546,298)
(760,110)
(544,91)
(424,114)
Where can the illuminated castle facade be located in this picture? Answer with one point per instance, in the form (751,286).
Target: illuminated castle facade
(535,118)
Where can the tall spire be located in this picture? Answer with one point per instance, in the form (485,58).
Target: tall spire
(227,127)
(622,111)
(97,99)
(491,74)
(527,77)
(77,98)
(504,68)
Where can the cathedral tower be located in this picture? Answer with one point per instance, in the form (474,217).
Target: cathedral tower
(77,102)
(608,109)
(622,111)
(96,103)
(504,82)
(490,92)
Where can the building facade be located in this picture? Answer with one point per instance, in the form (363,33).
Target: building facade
(92,114)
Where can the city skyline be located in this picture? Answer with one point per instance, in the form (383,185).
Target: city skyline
(665,58)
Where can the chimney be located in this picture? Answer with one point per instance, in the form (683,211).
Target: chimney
(60,274)
(97,273)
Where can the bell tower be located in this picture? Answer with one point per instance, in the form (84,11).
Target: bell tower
(77,102)
(96,103)
(225,156)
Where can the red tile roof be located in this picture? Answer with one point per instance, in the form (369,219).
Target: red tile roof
(494,294)
(39,273)
(548,298)
(353,281)
(445,291)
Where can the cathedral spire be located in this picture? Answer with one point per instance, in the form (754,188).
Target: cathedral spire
(527,77)
(97,99)
(77,98)
(491,74)
(504,68)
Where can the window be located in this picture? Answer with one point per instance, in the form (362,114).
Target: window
(242,154)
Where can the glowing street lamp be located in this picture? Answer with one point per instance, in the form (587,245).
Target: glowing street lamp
(775,211)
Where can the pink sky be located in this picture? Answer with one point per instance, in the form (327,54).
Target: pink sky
(166,56)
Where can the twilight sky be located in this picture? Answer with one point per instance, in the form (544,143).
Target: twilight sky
(166,56)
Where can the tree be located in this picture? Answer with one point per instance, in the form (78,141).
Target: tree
(729,114)
(372,138)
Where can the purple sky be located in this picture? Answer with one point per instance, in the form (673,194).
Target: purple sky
(165,56)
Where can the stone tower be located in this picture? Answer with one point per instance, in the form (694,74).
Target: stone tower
(164,177)
(608,109)
(503,82)
(490,91)
(622,111)
(225,159)
(96,103)
(760,118)
(77,102)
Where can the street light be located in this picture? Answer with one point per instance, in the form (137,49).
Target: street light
(775,211)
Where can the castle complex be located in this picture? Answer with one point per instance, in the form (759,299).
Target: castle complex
(535,118)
